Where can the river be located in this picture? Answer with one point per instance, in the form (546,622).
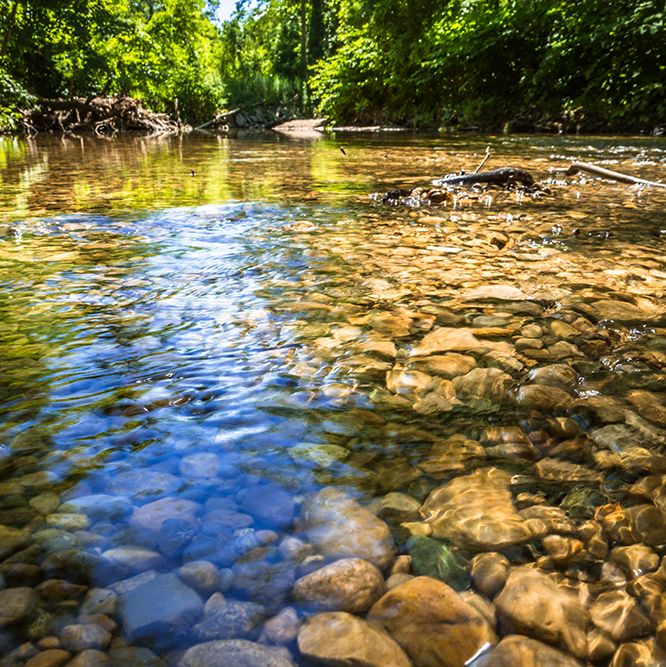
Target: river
(246,402)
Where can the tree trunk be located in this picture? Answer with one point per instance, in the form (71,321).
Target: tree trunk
(8,33)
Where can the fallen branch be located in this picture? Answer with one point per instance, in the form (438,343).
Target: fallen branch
(478,169)
(220,117)
(503,176)
(577,167)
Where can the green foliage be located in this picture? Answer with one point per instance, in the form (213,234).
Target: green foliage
(12,98)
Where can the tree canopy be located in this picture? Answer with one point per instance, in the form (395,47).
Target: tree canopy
(521,64)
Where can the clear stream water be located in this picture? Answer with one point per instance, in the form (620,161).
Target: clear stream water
(164,298)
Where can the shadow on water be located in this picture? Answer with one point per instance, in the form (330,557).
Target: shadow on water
(226,371)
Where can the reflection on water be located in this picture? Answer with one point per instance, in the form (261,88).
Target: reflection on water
(237,402)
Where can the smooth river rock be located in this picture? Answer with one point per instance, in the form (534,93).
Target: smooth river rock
(432,623)
(163,605)
(532,604)
(342,640)
(351,584)
(338,527)
(476,511)
(519,651)
(236,653)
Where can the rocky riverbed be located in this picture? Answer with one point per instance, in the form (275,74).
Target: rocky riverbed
(453,453)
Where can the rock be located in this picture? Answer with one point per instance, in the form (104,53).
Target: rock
(532,604)
(229,620)
(489,572)
(236,653)
(135,559)
(544,399)
(11,540)
(99,507)
(341,639)
(338,527)
(16,604)
(432,558)
(396,507)
(432,624)
(563,472)
(599,645)
(460,339)
(85,636)
(351,584)
(451,456)
(50,658)
(444,365)
(551,520)
(269,505)
(485,384)
(58,590)
(476,511)
(263,582)
(141,483)
(646,653)
(153,515)
(161,606)
(201,575)
(90,658)
(637,560)
(619,615)
(131,656)
(637,524)
(282,629)
(100,601)
(409,383)
(68,521)
(619,311)
(203,464)
(518,651)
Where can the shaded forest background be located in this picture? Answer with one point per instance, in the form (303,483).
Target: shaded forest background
(521,65)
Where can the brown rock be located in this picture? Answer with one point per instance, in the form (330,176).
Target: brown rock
(518,651)
(637,559)
(51,658)
(476,511)
(90,658)
(339,527)
(16,604)
(532,604)
(619,615)
(85,636)
(282,629)
(544,399)
(342,639)
(351,584)
(444,365)
(460,339)
(452,455)
(434,626)
(646,653)
(489,572)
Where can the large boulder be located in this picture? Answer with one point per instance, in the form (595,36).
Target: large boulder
(432,623)
(519,651)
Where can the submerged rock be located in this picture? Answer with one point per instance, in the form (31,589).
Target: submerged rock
(532,604)
(519,651)
(236,652)
(476,511)
(432,624)
(338,638)
(352,585)
(338,527)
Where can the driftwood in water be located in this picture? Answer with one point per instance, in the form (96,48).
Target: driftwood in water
(577,167)
(503,176)
(100,115)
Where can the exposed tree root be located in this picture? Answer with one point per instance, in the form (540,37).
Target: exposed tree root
(103,116)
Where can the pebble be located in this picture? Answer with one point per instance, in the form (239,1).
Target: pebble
(16,604)
(200,575)
(85,636)
(51,658)
(282,629)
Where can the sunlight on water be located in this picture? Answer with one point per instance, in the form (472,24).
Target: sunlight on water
(226,369)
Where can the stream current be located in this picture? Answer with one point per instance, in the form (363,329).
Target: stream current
(243,403)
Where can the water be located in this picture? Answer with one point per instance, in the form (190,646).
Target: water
(212,320)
